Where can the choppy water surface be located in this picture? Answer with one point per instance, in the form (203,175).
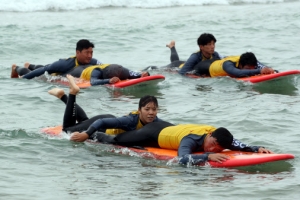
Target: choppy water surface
(36,166)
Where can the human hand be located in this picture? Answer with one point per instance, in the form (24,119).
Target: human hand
(267,70)
(217,157)
(114,80)
(263,150)
(79,137)
(144,74)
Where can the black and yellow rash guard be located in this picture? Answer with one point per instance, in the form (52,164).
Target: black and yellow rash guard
(127,123)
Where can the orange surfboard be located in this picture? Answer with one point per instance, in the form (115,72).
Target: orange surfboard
(237,158)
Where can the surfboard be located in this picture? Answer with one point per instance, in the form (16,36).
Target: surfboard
(261,78)
(268,77)
(143,81)
(237,158)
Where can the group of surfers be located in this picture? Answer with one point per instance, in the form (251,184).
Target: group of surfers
(143,127)
(204,63)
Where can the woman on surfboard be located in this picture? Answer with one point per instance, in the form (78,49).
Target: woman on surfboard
(76,120)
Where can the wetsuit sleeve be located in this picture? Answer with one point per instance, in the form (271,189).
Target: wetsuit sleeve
(35,73)
(60,66)
(96,78)
(230,69)
(133,74)
(188,145)
(239,146)
(189,64)
(120,122)
(260,65)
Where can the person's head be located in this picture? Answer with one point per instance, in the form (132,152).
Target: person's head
(115,70)
(218,140)
(206,43)
(248,61)
(84,51)
(148,107)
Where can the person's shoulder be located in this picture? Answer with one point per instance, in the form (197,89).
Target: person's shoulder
(157,120)
(94,61)
(197,53)
(133,115)
(195,56)
(217,55)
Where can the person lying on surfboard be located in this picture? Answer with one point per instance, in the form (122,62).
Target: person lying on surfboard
(97,74)
(207,53)
(84,54)
(206,43)
(185,138)
(234,66)
(109,73)
(76,120)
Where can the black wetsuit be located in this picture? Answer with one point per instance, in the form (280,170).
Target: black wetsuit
(75,72)
(146,136)
(75,119)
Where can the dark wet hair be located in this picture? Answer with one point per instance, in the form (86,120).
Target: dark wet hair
(114,70)
(248,58)
(147,99)
(206,38)
(223,136)
(84,44)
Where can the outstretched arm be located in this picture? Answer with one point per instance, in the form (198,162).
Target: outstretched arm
(101,124)
(189,64)
(231,70)
(97,77)
(192,143)
(133,74)
(238,145)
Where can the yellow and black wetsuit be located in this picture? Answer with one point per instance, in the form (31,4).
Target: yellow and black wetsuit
(186,138)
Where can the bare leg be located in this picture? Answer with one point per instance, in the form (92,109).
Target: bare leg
(58,92)
(26,65)
(174,55)
(14,74)
(74,89)
(171,45)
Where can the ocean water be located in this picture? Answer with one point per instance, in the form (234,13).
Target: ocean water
(134,33)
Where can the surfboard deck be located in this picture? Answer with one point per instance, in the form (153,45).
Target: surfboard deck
(148,80)
(261,78)
(237,158)
(268,77)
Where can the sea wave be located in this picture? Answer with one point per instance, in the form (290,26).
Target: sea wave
(73,5)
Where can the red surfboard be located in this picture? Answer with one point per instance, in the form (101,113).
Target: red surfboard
(148,80)
(262,78)
(268,77)
(237,158)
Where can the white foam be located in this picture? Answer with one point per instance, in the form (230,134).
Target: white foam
(58,5)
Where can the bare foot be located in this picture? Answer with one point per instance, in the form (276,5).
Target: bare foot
(26,65)
(14,74)
(58,92)
(171,45)
(74,89)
